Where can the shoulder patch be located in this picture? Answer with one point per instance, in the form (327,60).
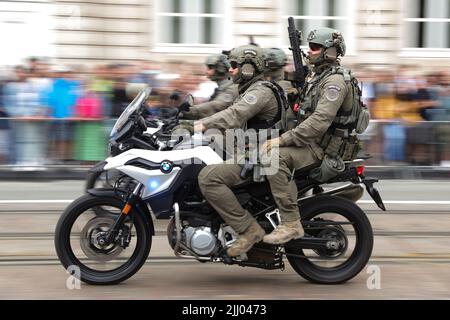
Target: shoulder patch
(227,97)
(250,98)
(332,93)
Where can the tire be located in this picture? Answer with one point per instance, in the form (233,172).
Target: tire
(67,257)
(363,245)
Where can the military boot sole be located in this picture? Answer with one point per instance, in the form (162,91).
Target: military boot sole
(268,240)
(238,251)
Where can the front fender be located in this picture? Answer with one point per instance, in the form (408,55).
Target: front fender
(140,205)
(99,167)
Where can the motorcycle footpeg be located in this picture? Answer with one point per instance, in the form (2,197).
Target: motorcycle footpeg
(225,257)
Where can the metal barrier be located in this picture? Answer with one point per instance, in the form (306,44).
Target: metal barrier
(81,141)
(422,143)
(43,141)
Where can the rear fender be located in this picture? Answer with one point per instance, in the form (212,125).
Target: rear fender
(353,192)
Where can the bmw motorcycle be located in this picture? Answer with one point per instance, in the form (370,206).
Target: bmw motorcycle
(151,135)
(108,232)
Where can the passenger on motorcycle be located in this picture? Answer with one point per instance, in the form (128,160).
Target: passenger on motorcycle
(256,107)
(223,96)
(324,130)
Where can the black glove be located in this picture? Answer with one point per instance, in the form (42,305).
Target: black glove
(184,107)
(175,95)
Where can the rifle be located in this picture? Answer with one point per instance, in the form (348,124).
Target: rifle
(295,39)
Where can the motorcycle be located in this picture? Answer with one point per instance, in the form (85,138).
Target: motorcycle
(154,137)
(109,248)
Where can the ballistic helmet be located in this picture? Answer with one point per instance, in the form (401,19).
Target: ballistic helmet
(275,58)
(220,64)
(250,61)
(331,41)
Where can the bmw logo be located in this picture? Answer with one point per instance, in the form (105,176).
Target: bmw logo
(166,166)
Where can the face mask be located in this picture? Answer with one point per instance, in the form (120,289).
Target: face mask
(237,78)
(313,59)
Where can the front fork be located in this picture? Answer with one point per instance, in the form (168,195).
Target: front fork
(129,204)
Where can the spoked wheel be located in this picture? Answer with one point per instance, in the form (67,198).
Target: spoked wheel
(81,240)
(350,237)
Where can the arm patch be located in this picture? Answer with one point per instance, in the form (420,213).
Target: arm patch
(250,98)
(332,93)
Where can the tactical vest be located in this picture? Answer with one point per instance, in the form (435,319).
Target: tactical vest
(341,137)
(279,121)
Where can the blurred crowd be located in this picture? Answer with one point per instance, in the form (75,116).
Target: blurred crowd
(51,114)
(58,114)
(410,107)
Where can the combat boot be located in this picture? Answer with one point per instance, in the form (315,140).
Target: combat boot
(285,232)
(246,240)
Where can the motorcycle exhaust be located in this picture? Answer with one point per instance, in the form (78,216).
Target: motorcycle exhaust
(176,209)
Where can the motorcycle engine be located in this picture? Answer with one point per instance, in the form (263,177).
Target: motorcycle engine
(201,240)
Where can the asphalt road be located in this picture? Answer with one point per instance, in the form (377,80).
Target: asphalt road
(411,254)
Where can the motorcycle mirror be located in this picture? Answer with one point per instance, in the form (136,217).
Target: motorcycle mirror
(175,95)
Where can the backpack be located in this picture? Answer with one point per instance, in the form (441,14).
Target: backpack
(358,118)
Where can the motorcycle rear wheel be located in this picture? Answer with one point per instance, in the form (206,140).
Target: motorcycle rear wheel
(363,245)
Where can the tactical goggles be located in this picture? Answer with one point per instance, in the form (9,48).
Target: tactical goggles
(314,46)
(233,64)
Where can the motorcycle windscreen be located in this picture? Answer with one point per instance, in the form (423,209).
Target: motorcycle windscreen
(132,108)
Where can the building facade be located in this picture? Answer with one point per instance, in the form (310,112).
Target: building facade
(379,33)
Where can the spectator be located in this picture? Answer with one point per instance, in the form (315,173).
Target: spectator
(4,130)
(89,144)
(23,102)
(62,99)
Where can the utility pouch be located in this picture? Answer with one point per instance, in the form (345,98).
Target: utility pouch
(325,141)
(329,168)
(334,146)
(363,120)
(358,147)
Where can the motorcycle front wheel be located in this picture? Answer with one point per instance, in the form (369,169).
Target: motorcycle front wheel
(343,222)
(79,242)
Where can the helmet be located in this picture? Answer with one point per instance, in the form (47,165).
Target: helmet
(220,64)
(249,59)
(332,42)
(275,58)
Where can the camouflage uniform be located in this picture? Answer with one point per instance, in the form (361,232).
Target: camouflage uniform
(255,101)
(223,97)
(224,94)
(276,59)
(325,93)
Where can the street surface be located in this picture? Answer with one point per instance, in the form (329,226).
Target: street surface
(411,253)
